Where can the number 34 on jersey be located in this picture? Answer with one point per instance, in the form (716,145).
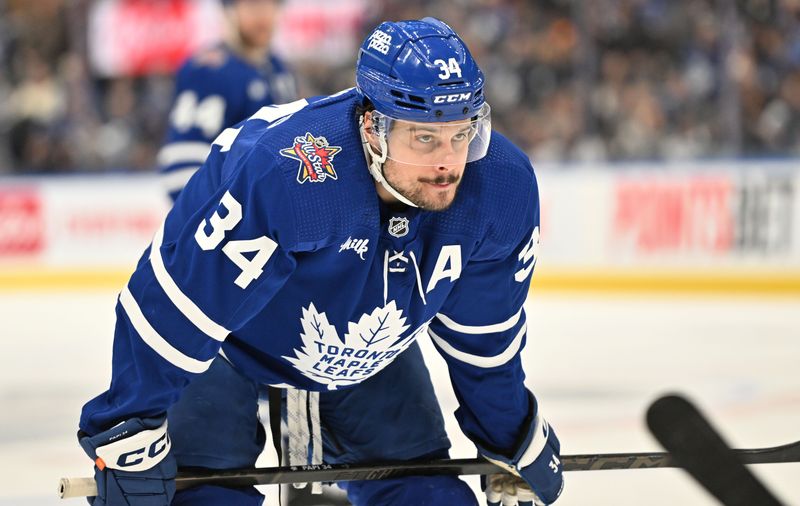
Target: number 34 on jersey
(263,246)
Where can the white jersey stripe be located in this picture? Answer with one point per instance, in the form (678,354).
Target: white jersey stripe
(270,113)
(184,304)
(226,137)
(183,152)
(153,339)
(479,329)
(476,360)
(176,179)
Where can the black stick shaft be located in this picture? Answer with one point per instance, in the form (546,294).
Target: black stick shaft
(82,487)
(346,472)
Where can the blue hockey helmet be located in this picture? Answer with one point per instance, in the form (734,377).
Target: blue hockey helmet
(421,71)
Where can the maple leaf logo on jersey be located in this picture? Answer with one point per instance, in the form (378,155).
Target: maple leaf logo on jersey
(315,155)
(369,345)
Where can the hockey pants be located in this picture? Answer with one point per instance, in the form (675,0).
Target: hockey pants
(392,416)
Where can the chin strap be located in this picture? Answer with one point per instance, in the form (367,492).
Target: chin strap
(375,162)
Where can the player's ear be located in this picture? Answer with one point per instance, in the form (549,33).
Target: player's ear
(367,122)
(368,125)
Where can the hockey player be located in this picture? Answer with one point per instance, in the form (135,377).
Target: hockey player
(318,240)
(223,85)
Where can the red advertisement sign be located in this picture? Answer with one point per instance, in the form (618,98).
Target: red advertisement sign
(691,214)
(21,222)
(96,225)
(136,37)
(307,26)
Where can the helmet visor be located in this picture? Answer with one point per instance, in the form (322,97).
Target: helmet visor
(438,143)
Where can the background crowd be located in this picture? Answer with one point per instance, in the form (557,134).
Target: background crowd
(567,80)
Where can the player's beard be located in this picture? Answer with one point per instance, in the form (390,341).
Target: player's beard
(249,42)
(425,196)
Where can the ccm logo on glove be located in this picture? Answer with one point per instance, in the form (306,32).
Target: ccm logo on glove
(138,452)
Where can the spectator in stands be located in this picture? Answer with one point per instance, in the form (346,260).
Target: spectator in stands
(602,80)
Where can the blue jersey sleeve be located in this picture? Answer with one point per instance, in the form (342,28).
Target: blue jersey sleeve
(480,332)
(221,254)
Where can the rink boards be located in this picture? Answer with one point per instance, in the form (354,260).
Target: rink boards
(710,226)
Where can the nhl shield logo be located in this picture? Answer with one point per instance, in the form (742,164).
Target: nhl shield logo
(315,156)
(398,226)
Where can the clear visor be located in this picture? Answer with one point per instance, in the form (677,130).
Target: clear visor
(440,143)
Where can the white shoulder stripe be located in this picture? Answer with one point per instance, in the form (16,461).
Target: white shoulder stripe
(226,137)
(476,360)
(270,113)
(184,304)
(153,339)
(176,179)
(479,329)
(183,152)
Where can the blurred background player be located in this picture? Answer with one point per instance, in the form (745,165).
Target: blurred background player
(222,85)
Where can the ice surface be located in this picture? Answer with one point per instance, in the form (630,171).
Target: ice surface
(594,361)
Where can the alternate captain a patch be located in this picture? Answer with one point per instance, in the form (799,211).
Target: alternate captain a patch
(315,155)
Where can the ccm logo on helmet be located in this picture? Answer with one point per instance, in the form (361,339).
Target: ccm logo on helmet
(452,98)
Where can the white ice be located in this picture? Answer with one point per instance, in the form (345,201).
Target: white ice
(594,361)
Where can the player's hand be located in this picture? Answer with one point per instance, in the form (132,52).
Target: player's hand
(508,490)
(133,463)
(537,465)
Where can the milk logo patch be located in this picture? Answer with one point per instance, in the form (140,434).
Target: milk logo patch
(369,345)
(398,226)
(360,246)
(315,155)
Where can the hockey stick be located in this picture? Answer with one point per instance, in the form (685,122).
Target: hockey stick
(82,487)
(698,448)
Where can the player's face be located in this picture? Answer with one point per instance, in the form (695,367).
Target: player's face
(255,20)
(426,161)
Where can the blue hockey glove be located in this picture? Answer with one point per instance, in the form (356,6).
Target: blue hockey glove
(536,471)
(133,464)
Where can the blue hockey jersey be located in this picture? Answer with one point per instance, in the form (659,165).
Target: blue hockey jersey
(215,89)
(280,255)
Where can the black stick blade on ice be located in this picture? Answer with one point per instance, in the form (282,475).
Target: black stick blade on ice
(697,447)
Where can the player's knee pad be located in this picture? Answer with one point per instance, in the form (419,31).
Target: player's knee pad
(208,495)
(416,490)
